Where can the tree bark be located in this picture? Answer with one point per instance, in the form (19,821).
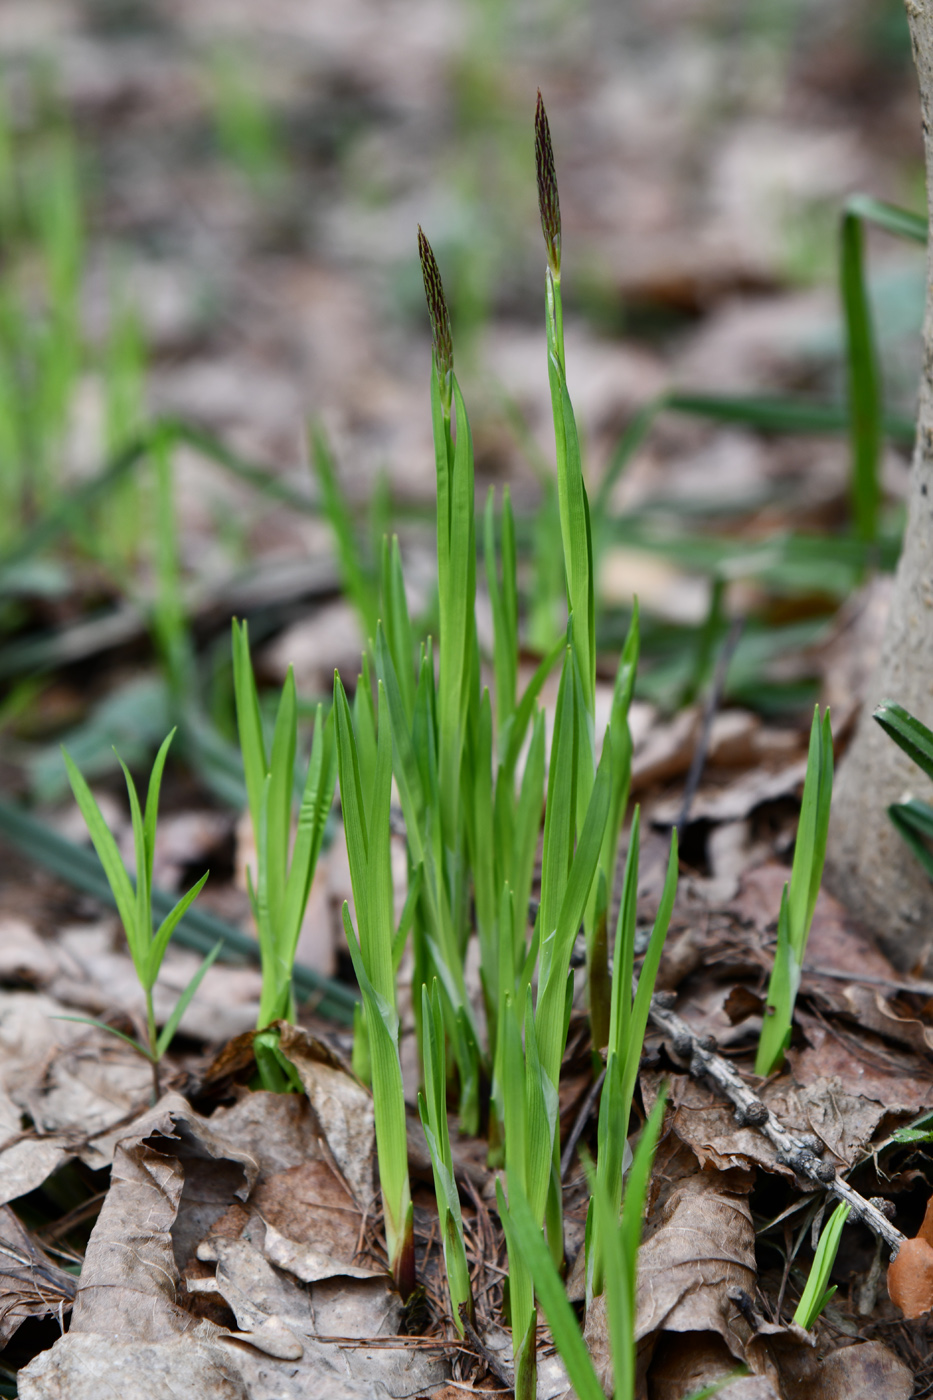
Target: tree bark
(869,866)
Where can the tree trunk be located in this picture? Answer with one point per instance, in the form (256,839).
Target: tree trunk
(869,866)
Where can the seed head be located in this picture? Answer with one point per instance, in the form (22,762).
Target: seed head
(548,202)
(437,310)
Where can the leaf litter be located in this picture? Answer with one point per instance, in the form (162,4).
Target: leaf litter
(233,1239)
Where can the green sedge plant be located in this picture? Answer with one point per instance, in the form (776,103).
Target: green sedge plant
(147,944)
(282,885)
(817,1292)
(798,900)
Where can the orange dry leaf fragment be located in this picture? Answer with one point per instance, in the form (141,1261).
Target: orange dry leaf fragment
(910,1275)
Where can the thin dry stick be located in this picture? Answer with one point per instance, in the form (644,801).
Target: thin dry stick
(751,1112)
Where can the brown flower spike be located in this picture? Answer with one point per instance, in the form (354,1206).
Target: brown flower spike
(437,310)
(548,202)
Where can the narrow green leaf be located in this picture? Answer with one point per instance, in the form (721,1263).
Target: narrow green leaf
(249,721)
(864,385)
(183,1002)
(816,1295)
(156,950)
(549,1286)
(908,732)
(102,1025)
(105,846)
(890,217)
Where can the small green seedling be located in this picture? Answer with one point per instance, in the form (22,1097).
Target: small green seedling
(816,1294)
(280,894)
(147,946)
(621,1239)
(799,899)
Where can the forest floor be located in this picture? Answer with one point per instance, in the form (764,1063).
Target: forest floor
(252,185)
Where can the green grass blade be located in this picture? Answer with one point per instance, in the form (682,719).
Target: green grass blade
(504,600)
(152,803)
(389,1110)
(316,802)
(168,926)
(102,1025)
(512,736)
(281,784)
(908,732)
(105,846)
(901,222)
(249,721)
(520,1224)
(864,385)
(816,1295)
(181,1006)
(397,623)
(140,937)
(782,994)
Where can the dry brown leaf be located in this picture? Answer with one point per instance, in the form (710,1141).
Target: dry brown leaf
(896,1080)
(702,1251)
(843,1122)
(910,1274)
(174,1182)
(867,1369)
(342,1105)
(684,1363)
(30,1284)
(873,1010)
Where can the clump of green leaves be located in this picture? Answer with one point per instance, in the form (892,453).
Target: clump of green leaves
(816,1294)
(799,898)
(280,892)
(147,945)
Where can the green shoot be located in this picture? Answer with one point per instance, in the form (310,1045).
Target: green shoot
(621,1237)
(432,1106)
(147,945)
(280,892)
(816,1294)
(864,382)
(571,491)
(626,1040)
(799,899)
(366,823)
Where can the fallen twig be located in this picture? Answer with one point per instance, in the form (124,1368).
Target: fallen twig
(750,1112)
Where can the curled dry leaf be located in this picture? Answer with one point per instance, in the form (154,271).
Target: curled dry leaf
(910,1275)
(685,1363)
(194,1222)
